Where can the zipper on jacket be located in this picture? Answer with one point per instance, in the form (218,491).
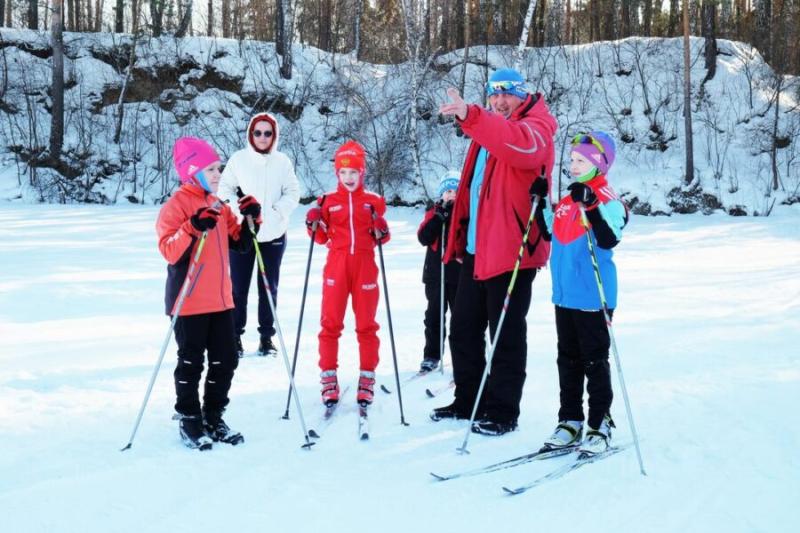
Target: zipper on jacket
(352,232)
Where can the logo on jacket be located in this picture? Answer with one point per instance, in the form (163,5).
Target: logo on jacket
(534,147)
(334,208)
(369,286)
(330,282)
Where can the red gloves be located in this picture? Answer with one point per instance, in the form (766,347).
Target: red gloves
(380,230)
(249,206)
(313,216)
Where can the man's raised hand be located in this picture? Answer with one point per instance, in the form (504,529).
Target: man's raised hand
(456,106)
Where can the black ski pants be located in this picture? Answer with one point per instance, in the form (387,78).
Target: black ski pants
(432,315)
(195,334)
(242,266)
(583,344)
(478,305)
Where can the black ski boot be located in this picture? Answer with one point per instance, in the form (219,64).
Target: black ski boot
(218,430)
(267,347)
(239,347)
(450,412)
(192,433)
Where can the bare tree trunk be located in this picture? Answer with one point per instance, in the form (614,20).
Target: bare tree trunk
(157,17)
(120,111)
(57,89)
(710,35)
(568,24)
(672,23)
(523,37)
(186,20)
(626,13)
(773,156)
(98,16)
(288,37)
(70,15)
(210,28)
(33,14)
(324,29)
(280,13)
(648,17)
(761,35)
(357,29)
(687,96)
(3,12)
(467,37)
(226,19)
(119,16)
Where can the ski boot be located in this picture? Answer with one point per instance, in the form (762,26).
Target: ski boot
(266,347)
(567,433)
(330,388)
(428,365)
(192,433)
(493,428)
(218,430)
(597,440)
(366,386)
(239,347)
(450,412)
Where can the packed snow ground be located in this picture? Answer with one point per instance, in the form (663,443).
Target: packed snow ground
(707,329)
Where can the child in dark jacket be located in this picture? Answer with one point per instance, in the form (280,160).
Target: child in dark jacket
(205,319)
(350,222)
(435,225)
(583,338)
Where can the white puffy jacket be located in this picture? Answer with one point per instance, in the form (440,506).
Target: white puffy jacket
(269,177)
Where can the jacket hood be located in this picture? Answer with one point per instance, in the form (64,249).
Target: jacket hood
(275,137)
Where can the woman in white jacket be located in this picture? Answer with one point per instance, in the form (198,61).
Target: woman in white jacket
(264,172)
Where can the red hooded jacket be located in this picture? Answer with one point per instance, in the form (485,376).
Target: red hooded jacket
(518,148)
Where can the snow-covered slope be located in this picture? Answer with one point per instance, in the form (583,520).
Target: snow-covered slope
(707,329)
(209,87)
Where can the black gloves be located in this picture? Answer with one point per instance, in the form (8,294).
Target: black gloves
(539,187)
(580,192)
(443,209)
(205,219)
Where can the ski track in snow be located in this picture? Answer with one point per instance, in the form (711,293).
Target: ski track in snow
(707,332)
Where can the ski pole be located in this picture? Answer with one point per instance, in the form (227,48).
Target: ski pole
(606,314)
(506,302)
(441,303)
(187,282)
(263,271)
(302,309)
(391,329)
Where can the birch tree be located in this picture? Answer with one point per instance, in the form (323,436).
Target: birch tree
(523,37)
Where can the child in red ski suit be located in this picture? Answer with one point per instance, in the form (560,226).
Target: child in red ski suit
(205,319)
(350,221)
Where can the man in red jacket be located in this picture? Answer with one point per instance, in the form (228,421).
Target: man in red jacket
(511,145)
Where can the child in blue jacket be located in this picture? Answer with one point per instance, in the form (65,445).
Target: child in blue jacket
(583,338)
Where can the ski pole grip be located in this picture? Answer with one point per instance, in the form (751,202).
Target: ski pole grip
(239,192)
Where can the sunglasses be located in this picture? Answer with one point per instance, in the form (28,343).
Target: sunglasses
(585,138)
(259,133)
(496,87)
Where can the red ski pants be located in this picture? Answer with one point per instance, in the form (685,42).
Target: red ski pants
(345,275)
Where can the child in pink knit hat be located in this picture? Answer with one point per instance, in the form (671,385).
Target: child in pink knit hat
(205,319)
